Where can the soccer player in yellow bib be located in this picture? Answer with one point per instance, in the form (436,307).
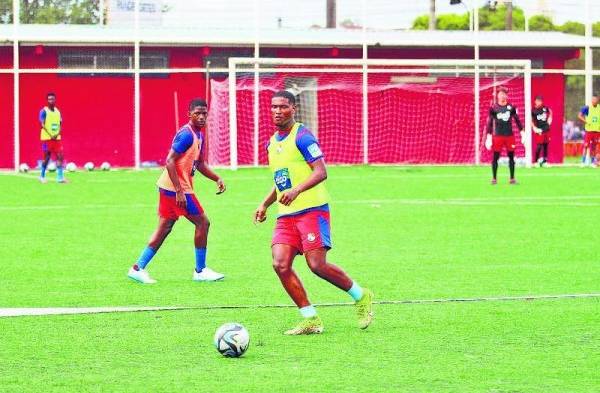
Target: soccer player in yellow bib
(299,173)
(51,138)
(590,116)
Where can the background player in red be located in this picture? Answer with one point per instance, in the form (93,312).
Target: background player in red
(177,198)
(541,117)
(500,133)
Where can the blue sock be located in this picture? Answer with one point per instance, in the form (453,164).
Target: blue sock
(59,173)
(200,259)
(308,311)
(43,174)
(355,291)
(146,257)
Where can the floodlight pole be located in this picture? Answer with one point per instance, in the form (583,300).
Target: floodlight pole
(16,96)
(136,105)
(476,86)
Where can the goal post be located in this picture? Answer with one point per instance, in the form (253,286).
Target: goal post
(373,111)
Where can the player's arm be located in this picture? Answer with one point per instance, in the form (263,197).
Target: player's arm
(582,115)
(515,115)
(489,129)
(42,119)
(172,171)
(261,211)
(202,167)
(549,116)
(318,175)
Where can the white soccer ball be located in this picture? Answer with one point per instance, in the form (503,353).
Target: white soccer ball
(89,166)
(52,166)
(24,168)
(71,167)
(105,166)
(232,340)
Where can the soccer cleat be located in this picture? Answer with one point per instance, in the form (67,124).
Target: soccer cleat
(63,180)
(207,274)
(364,309)
(43,180)
(312,325)
(513,181)
(140,276)
(494,182)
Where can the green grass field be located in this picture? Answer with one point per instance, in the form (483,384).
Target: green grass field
(408,233)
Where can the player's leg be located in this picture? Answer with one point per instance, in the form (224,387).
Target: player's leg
(46,159)
(60,177)
(545,153)
(363,297)
(495,159)
(511,166)
(283,258)
(538,151)
(315,230)
(195,214)
(138,270)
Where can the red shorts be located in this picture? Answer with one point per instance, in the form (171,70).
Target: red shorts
(52,146)
(544,137)
(305,232)
(499,142)
(591,138)
(167,205)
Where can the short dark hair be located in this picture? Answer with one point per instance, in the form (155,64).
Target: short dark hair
(539,97)
(50,94)
(197,102)
(595,95)
(286,94)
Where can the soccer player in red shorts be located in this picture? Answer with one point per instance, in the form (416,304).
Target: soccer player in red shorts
(51,138)
(303,226)
(590,116)
(542,120)
(500,133)
(176,196)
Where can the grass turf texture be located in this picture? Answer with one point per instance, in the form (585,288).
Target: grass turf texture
(407,233)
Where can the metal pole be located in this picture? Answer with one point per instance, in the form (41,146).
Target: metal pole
(528,119)
(365,86)
(476,86)
(136,58)
(256,98)
(101,16)
(232,116)
(589,80)
(16,96)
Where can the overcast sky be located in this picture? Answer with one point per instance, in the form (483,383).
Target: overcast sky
(385,14)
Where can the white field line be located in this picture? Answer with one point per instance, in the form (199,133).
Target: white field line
(41,311)
(405,175)
(558,201)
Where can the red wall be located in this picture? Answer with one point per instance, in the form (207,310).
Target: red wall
(98,110)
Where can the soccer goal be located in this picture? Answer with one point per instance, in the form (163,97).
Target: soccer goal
(375,111)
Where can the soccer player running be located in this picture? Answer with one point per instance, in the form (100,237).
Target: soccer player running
(176,196)
(303,227)
(500,133)
(51,138)
(590,116)
(542,120)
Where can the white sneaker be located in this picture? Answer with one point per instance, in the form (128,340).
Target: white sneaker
(140,276)
(207,274)
(43,180)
